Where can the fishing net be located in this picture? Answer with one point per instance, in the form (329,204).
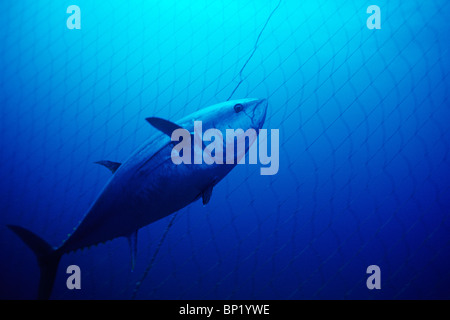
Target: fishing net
(363,119)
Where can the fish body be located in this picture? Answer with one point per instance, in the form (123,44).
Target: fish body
(148,186)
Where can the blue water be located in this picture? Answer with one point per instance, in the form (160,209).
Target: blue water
(364,145)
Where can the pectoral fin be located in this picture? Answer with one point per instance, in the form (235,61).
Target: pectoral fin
(132,241)
(162,125)
(167,127)
(113,166)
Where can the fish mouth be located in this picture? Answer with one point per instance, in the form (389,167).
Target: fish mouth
(258,115)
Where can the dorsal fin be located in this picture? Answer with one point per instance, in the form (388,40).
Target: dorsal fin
(132,241)
(164,126)
(113,166)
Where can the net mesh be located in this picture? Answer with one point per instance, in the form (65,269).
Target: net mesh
(363,119)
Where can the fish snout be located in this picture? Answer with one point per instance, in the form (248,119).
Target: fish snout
(259,113)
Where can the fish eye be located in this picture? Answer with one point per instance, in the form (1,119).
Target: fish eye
(238,107)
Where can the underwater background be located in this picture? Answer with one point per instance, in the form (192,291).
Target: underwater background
(364,124)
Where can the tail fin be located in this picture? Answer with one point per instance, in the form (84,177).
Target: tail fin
(48,259)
